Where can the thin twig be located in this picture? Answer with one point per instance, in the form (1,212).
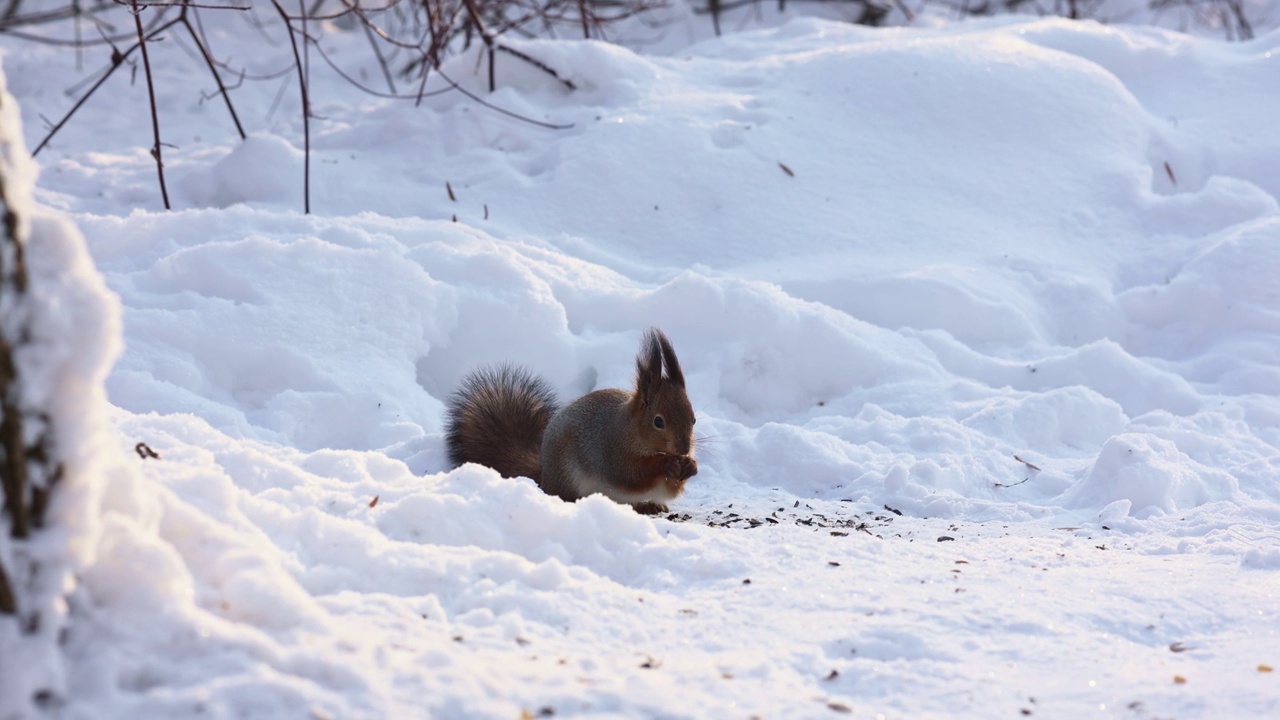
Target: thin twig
(495,108)
(585,16)
(382,61)
(75,6)
(306,109)
(7,28)
(185,4)
(365,88)
(64,42)
(213,69)
(538,64)
(474,13)
(151,93)
(48,16)
(422,85)
(306,112)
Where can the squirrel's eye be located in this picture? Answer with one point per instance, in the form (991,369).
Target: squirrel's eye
(659,423)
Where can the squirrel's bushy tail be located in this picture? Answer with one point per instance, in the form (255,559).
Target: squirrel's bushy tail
(497,418)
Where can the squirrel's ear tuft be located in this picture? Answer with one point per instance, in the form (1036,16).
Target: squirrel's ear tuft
(649,365)
(674,374)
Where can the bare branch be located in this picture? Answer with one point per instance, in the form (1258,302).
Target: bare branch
(495,108)
(213,69)
(151,94)
(306,111)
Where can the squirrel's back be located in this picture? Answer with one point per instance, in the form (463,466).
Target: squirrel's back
(497,418)
(583,444)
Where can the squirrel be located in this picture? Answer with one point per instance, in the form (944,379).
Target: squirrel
(634,447)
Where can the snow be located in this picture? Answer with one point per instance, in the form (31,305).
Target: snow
(978,320)
(60,332)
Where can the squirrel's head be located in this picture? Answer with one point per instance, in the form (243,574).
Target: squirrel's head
(661,410)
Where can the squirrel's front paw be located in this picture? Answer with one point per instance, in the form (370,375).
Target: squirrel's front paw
(680,467)
(688,467)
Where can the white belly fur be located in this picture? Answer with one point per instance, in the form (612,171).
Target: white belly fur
(587,484)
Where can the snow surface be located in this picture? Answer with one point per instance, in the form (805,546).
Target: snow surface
(980,322)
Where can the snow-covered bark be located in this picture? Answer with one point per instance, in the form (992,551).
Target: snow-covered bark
(58,334)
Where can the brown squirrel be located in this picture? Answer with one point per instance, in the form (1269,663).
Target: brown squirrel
(634,447)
